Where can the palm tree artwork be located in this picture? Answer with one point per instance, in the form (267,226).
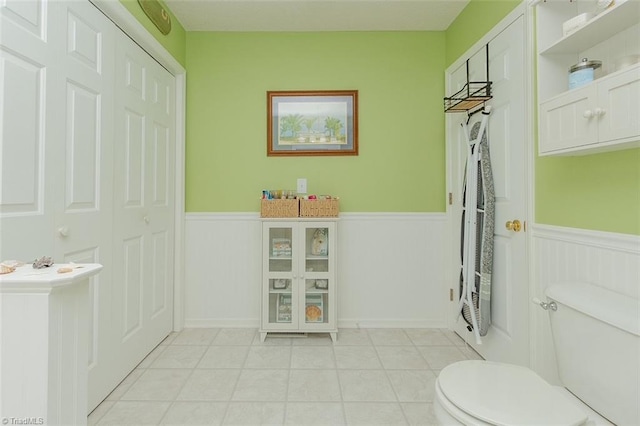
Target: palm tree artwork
(308,123)
(333,126)
(290,126)
(320,123)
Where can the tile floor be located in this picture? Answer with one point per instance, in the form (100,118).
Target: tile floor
(228,377)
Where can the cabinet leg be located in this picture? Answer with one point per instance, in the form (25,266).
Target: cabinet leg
(262,337)
(334,337)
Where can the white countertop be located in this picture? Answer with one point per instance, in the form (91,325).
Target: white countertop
(27,278)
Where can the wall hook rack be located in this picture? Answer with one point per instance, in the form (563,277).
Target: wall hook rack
(472,94)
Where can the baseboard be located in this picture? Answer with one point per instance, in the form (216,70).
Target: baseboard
(221,323)
(390,323)
(347,323)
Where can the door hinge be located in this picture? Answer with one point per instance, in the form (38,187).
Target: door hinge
(450,295)
(450,198)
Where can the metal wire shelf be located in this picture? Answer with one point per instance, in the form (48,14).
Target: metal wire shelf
(472,95)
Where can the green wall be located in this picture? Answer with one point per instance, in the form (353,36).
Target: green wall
(399,76)
(174,42)
(597,192)
(401,164)
(600,192)
(477,19)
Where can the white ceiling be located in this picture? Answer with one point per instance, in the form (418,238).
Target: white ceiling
(316,15)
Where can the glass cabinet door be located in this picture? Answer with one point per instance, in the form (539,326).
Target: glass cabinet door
(298,284)
(280,267)
(316,283)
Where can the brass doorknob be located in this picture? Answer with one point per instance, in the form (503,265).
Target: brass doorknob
(513,225)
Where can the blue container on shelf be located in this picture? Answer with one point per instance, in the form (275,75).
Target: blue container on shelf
(583,72)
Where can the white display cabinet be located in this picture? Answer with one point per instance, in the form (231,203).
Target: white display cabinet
(603,115)
(299,276)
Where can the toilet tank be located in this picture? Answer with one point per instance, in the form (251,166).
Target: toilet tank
(596,334)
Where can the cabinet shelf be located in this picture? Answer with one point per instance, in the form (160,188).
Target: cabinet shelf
(601,115)
(603,26)
(279,291)
(314,291)
(316,257)
(593,83)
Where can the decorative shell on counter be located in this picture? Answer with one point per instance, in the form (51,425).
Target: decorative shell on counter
(6,269)
(43,262)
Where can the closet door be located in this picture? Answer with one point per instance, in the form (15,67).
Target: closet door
(28,74)
(56,174)
(84,182)
(87,121)
(143,203)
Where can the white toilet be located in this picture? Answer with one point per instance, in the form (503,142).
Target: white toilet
(596,335)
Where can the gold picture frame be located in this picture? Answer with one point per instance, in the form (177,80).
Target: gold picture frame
(305,123)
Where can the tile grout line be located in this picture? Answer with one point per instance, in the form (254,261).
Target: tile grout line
(286,393)
(193,369)
(344,411)
(386,373)
(232,341)
(235,386)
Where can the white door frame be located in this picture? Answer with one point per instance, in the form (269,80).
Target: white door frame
(119,14)
(451,274)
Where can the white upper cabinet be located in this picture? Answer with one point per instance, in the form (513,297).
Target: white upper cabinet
(601,115)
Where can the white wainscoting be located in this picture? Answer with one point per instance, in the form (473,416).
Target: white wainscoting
(561,254)
(391,269)
(222,270)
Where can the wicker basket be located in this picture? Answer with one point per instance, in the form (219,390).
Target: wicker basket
(279,208)
(319,208)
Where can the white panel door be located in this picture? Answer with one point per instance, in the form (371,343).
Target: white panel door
(143,204)
(507,338)
(84,182)
(61,143)
(28,71)
(57,163)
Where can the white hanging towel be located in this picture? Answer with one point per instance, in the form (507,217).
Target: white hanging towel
(478,220)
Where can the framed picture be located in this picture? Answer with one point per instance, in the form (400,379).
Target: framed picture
(321,122)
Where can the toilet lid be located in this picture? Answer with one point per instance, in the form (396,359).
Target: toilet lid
(505,394)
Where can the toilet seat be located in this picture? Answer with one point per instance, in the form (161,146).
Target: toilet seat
(448,414)
(502,394)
